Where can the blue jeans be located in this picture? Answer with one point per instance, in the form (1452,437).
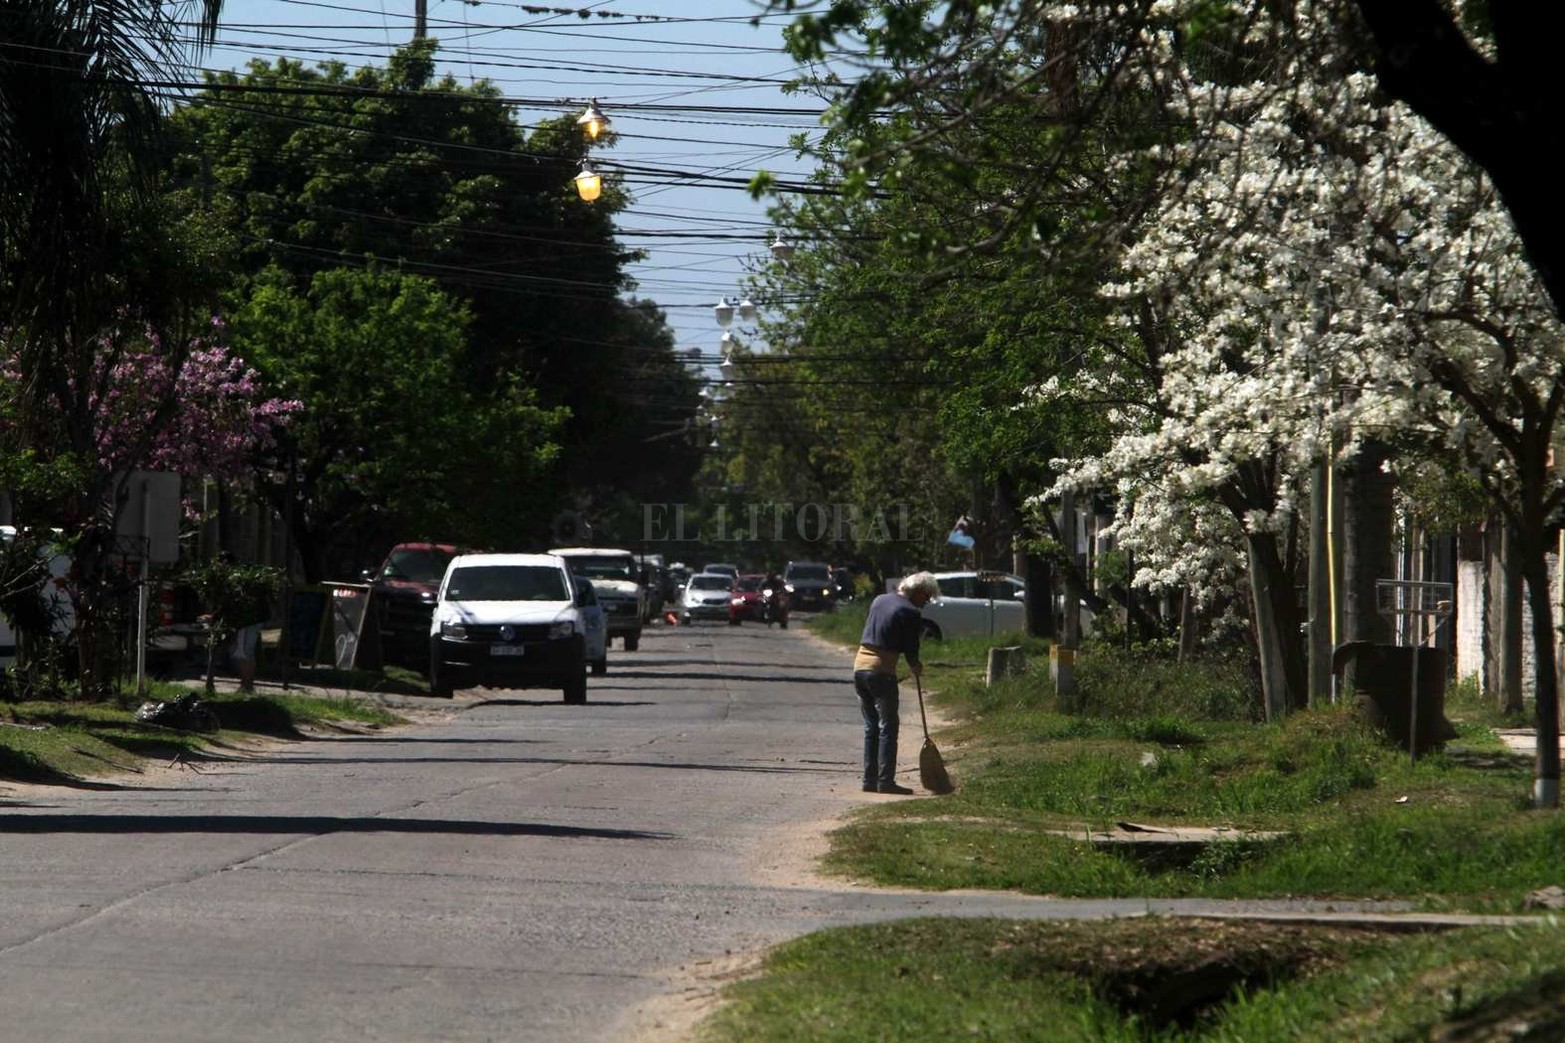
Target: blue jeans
(878,704)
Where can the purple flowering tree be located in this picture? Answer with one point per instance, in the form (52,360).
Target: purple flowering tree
(198,411)
(136,399)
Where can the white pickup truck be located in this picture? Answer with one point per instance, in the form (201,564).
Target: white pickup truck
(617,578)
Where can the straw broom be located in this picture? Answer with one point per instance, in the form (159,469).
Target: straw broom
(931,769)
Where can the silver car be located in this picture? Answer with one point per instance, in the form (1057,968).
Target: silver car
(706,596)
(976,604)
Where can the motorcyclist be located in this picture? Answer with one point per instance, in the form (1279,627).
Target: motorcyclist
(776,594)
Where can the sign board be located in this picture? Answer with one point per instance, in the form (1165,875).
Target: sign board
(354,634)
(149,511)
(307,623)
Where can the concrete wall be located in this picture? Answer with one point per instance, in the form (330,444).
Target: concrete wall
(1472,592)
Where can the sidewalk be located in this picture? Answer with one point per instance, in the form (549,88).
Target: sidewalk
(1523,741)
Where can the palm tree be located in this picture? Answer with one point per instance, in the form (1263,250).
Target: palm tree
(79,114)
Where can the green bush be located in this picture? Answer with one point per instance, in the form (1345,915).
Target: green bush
(1146,683)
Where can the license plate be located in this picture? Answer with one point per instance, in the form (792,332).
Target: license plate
(499,650)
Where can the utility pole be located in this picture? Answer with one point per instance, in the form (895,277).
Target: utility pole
(420,19)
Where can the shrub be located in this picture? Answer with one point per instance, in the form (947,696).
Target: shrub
(1145,683)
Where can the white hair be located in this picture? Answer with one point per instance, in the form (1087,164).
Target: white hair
(924,581)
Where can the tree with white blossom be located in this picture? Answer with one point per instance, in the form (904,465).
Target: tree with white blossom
(1330,269)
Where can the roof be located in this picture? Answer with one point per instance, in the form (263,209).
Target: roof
(552,560)
(583,552)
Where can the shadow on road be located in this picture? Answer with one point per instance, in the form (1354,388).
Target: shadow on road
(589,704)
(318,825)
(553,762)
(724,675)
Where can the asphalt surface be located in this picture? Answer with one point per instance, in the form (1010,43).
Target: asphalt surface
(510,868)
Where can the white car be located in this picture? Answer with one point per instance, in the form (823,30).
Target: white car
(509,621)
(976,604)
(706,596)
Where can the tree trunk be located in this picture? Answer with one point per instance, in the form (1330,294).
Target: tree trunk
(1318,672)
(1070,629)
(1546,776)
(1040,597)
(1276,629)
(1368,522)
(1503,616)
(1189,636)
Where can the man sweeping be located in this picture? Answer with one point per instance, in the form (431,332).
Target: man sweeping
(891,631)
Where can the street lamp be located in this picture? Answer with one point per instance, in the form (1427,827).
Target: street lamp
(589,184)
(781,248)
(724,312)
(592,122)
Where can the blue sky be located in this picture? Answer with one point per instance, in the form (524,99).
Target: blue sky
(702,59)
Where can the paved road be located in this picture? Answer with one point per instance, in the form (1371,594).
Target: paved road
(516,870)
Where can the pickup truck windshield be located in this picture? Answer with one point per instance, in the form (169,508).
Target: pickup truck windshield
(603,567)
(507,583)
(422,565)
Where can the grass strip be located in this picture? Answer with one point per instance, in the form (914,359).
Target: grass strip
(69,743)
(1152,741)
(1147,980)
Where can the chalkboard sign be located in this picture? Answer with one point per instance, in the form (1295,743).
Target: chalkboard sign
(354,635)
(307,622)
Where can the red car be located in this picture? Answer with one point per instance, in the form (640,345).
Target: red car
(753,600)
(747,601)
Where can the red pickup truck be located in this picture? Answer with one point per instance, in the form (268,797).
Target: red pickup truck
(403,592)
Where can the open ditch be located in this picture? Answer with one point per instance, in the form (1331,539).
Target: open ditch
(1177,973)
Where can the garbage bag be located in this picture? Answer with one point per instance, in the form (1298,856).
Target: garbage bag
(187,713)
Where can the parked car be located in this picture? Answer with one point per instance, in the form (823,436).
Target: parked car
(810,586)
(617,577)
(976,604)
(509,621)
(596,622)
(705,597)
(402,593)
(747,600)
(842,585)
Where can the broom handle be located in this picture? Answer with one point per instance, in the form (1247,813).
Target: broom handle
(919,686)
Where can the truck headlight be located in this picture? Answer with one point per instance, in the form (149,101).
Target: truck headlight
(453,629)
(563,629)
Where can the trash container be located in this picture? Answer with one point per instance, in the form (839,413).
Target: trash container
(1380,677)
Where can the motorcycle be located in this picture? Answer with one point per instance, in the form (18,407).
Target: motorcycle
(776,605)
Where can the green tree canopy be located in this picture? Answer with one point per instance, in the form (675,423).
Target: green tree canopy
(390,439)
(314,169)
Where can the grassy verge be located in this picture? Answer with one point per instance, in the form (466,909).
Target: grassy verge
(69,743)
(1155,742)
(1150,741)
(1149,980)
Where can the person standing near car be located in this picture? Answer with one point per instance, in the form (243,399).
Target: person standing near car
(891,631)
